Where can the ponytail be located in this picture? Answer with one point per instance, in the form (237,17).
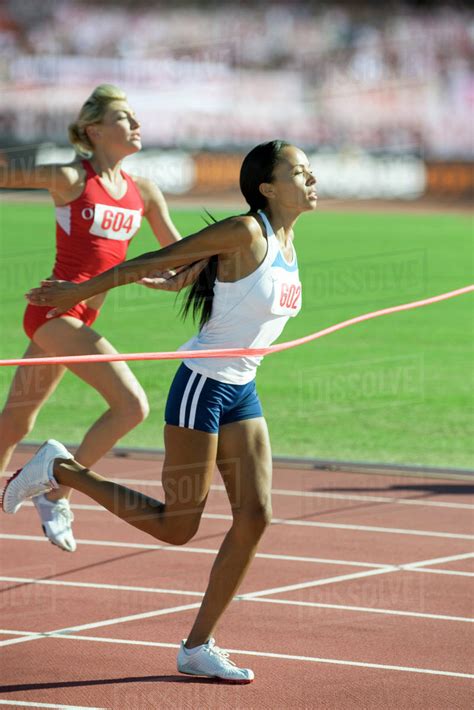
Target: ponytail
(79,139)
(201,294)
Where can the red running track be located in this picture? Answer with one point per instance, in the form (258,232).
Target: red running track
(360,597)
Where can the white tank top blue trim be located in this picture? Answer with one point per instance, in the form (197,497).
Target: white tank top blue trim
(248,313)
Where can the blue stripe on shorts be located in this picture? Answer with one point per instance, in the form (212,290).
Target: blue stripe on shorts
(199,402)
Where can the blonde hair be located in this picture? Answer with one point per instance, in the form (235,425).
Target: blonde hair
(92,111)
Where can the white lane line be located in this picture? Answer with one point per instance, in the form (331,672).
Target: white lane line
(453,573)
(23,704)
(316,583)
(408,567)
(118,620)
(423,565)
(374,499)
(318,494)
(310,523)
(341,526)
(198,550)
(307,494)
(288,602)
(358,528)
(283,656)
(96,585)
(373,528)
(98,624)
(440,560)
(363,609)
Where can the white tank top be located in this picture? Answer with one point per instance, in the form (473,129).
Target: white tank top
(248,313)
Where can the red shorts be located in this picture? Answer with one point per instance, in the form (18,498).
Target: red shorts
(35,316)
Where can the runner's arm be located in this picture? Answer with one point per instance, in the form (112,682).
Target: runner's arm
(156,212)
(229,236)
(55,178)
(158,216)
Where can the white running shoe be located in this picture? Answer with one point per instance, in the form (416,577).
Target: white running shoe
(35,477)
(56,518)
(212,662)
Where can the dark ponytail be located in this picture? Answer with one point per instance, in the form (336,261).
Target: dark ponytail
(200,295)
(257,167)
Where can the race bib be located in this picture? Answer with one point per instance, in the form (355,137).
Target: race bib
(114,222)
(287,298)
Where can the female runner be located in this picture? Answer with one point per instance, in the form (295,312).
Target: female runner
(98,210)
(213,414)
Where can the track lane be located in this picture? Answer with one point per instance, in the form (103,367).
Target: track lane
(314,632)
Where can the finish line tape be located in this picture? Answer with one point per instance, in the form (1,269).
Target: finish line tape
(233,352)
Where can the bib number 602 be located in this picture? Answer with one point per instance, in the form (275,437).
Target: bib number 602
(289,296)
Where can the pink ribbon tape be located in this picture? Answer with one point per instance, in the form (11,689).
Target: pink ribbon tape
(233,352)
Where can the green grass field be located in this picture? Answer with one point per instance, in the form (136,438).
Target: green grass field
(395,389)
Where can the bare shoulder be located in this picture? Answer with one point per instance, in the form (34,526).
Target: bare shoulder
(149,190)
(73,173)
(66,181)
(247,226)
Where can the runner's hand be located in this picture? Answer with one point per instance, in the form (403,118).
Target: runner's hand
(63,295)
(174,279)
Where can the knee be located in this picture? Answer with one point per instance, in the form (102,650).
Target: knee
(252,523)
(142,408)
(180,529)
(135,408)
(181,536)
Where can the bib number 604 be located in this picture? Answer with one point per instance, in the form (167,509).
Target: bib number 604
(116,221)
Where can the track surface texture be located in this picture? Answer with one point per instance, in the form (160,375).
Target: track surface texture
(360,597)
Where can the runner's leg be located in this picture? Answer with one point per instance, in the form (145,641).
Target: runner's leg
(187,473)
(244,460)
(115,381)
(31,387)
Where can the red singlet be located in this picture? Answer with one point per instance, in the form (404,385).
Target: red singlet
(92,235)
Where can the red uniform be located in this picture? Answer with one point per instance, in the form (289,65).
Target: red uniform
(92,235)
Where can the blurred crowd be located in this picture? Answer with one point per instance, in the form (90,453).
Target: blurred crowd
(371,42)
(382,76)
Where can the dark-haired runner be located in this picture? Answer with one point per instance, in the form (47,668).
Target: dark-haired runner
(245,296)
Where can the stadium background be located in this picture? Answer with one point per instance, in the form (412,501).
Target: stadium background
(380,97)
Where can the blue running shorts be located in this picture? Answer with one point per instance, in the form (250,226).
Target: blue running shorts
(199,402)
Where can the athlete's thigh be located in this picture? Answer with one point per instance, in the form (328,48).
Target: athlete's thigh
(244,459)
(69,336)
(32,384)
(188,469)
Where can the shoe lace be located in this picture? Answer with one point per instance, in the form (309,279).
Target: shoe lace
(62,509)
(213,649)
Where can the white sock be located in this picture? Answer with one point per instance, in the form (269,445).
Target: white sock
(192,651)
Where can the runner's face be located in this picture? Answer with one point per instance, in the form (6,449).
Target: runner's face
(294,185)
(119,128)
